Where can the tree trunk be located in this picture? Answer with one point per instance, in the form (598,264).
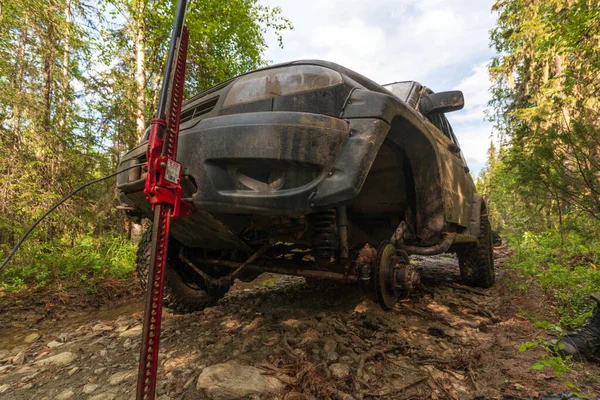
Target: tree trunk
(65,70)
(19,83)
(156,91)
(140,70)
(48,78)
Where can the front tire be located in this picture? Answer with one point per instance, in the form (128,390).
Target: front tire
(183,291)
(477,263)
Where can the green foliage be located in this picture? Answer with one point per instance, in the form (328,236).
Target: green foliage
(87,259)
(79,81)
(545,97)
(558,365)
(562,265)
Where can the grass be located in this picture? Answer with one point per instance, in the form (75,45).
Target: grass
(565,266)
(84,261)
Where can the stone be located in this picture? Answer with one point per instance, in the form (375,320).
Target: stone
(330,345)
(89,388)
(135,331)
(339,370)
(31,338)
(232,380)
(361,308)
(4,388)
(104,396)
(294,396)
(309,337)
(292,323)
(72,371)
(19,359)
(61,359)
(102,328)
(65,395)
(54,343)
(332,356)
(231,325)
(100,370)
(119,377)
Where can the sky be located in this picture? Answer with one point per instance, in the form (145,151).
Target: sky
(443,44)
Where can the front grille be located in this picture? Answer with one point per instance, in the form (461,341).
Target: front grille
(200,109)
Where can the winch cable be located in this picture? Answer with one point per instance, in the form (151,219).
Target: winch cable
(55,206)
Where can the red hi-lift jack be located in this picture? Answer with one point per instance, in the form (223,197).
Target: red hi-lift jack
(163,191)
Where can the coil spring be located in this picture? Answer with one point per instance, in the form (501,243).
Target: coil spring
(325,235)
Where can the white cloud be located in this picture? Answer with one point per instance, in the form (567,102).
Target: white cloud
(441,43)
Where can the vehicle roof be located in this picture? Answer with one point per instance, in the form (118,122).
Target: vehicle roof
(361,79)
(407,91)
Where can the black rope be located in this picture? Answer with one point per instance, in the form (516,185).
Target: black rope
(55,206)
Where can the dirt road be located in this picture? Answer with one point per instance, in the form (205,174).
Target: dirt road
(285,339)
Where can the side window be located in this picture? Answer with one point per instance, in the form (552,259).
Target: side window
(441,122)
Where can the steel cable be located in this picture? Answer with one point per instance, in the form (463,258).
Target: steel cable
(54,207)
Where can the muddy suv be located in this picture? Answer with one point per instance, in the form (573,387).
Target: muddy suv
(311,169)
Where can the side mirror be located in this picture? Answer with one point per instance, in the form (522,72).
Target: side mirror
(443,102)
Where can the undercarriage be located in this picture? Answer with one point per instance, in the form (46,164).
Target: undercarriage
(318,247)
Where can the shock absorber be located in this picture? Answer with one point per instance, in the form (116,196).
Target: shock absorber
(324,235)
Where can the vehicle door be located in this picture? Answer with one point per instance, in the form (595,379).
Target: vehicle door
(457,182)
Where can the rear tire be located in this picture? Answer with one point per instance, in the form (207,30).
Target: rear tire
(183,291)
(477,263)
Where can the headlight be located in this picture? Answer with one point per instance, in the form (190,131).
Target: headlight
(282,81)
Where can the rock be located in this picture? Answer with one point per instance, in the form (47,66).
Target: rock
(64,358)
(119,377)
(339,370)
(135,331)
(309,337)
(100,370)
(54,344)
(232,380)
(252,325)
(330,345)
(231,325)
(295,396)
(65,395)
(89,388)
(33,337)
(361,308)
(19,359)
(104,396)
(292,323)
(72,371)
(4,388)
(102,328)
(332,356)
(4,368)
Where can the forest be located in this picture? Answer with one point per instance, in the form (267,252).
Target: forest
(79,82)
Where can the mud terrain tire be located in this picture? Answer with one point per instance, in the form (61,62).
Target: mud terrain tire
(181,295)
(477,263)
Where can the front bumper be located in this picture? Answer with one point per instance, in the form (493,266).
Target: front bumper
(270,163)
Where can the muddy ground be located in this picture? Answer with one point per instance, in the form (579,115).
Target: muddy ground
(280,338)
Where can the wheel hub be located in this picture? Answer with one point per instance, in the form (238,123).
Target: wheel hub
(392,275)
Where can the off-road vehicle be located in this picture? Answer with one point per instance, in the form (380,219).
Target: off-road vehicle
(308,168)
